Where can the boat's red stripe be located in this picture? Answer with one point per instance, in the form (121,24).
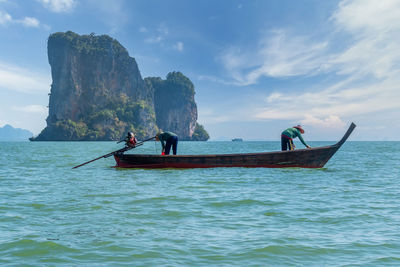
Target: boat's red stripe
(189,166)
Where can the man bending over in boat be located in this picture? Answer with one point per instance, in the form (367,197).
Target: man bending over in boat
(288,135)
(130,140)
(167,140)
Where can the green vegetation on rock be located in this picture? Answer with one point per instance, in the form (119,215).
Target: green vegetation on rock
(88,44)
(200,134)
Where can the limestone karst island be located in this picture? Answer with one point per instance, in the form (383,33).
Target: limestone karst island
(98,94)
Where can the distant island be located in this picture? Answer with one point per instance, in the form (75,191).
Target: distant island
(9,133)
(98,94)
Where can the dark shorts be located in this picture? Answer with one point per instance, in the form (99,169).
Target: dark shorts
(287,143)
(172,141)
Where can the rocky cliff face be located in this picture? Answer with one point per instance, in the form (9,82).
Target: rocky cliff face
(98,93)
(174,104)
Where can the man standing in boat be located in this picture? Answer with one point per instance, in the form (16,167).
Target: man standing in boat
(167,140)
(288,135)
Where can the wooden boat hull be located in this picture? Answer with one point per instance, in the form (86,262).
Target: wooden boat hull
(304,158)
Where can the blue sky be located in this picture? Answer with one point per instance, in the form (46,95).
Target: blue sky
(258,66)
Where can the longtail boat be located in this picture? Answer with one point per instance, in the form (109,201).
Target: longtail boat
(305,158)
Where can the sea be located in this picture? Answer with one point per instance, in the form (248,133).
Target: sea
(345,214)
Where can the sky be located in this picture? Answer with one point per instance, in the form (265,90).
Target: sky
(258,66)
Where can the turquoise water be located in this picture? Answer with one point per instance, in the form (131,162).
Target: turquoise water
(50,215)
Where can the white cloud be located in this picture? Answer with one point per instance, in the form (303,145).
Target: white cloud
(58,6)
(154,39)
(367,69)
(277,55)
(31,109)
(331,121)
(23,80)
(368,15)
(5,18)
(330,106)
(178,46)
(30,22)
(159,36)
(274,97)
(372,26)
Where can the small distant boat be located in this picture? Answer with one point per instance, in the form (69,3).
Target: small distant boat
(237,140)
(305,158)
